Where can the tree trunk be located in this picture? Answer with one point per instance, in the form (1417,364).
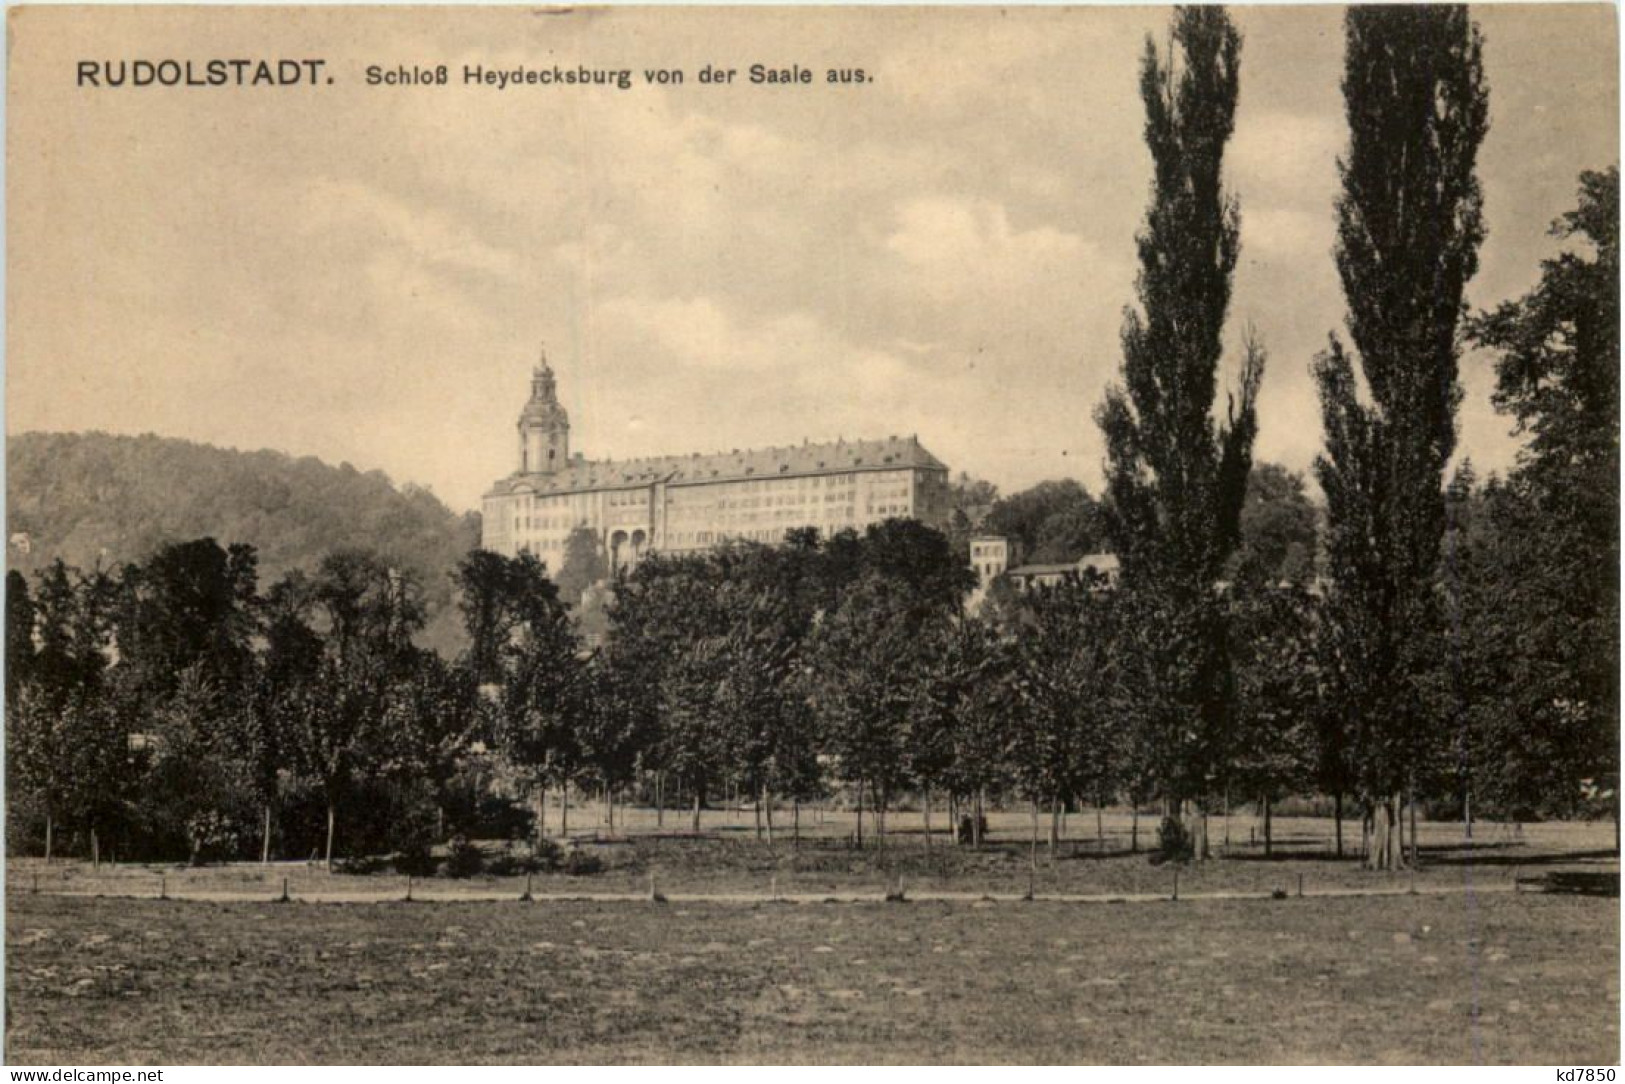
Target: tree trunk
(953,818)
(1194,820)
(439,824)
(96,852)
(767,811)
(880,819)
(1100,824)
(564,810)
(332,819)
(265,838)
(1032,855)
(795,820)
(1269,838)
(696,810)
(1054,825)
(758,804)
(925,805)
(1467,809)
(1387,852)
(660,799)
(1337,815)
(860,815)
(1227,818)
(50,823)
(1134,828)
(1416,846)
(978,816)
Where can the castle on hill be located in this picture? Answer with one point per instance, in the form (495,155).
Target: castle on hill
(686,503)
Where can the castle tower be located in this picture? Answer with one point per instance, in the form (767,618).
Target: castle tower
(544,427)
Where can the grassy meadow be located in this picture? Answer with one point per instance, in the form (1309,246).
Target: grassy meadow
(222,974)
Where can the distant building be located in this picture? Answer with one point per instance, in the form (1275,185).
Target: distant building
(991,555)
(994,556)
(1029,576)
(688,503)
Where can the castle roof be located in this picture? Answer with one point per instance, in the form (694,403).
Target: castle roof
(837,457)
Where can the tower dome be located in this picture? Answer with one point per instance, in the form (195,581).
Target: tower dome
(544,427)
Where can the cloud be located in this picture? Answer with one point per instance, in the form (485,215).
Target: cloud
(1281,233)
(1280,158)
(365,274)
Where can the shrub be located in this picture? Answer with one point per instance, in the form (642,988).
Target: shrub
(582,864)
(361,866)
(415,860)
(464,859)
(542,856)
(1173,842)
(507,864)
(970,828)
(545,855)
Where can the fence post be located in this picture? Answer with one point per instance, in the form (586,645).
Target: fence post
(1176,882)
(284,890)
(408,888)
(527,897)
(163,886)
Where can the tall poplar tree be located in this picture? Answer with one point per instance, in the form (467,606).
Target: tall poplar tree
(1409,227)
(1176,475)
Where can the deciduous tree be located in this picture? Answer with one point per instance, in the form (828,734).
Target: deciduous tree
(1409,227)
(1176,478)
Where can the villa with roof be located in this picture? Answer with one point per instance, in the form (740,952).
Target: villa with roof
(685,503)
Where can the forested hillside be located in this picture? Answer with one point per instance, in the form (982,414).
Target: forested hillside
(89,497)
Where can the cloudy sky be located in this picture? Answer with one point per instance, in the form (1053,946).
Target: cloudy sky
(366,274)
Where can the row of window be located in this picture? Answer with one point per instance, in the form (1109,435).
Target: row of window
(541,523)
(836,519)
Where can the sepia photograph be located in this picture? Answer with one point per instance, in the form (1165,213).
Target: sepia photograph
(778,535)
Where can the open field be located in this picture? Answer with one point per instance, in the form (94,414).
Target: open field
(728,860)
(1504,978)
(221,974)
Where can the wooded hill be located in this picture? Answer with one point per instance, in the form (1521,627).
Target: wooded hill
(95,497)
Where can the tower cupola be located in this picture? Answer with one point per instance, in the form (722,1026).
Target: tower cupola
(544,427)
